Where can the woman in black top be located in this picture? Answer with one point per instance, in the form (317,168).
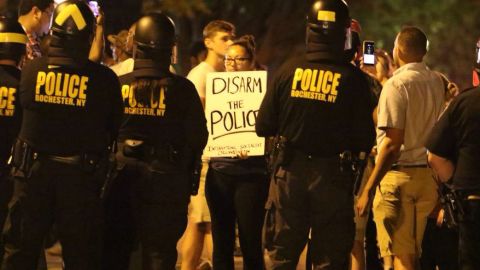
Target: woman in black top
(237,188)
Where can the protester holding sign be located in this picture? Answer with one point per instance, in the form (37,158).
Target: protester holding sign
(217,36)
(237,187)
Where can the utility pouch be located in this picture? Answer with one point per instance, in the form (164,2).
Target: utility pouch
(134,149)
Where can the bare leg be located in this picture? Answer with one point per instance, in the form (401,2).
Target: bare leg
(358,256)
(193,244)
(387,263)
(404,262)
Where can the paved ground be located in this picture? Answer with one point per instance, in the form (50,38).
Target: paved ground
(54,261)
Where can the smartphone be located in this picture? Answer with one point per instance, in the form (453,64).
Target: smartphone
(94,7)
(369,52)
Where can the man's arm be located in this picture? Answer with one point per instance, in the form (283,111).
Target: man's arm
(199,81)
(98,44)
(442,167)
(388,153)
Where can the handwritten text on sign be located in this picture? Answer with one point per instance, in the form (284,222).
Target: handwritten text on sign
(232,103)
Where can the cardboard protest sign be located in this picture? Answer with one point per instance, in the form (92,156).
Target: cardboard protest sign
(232,103)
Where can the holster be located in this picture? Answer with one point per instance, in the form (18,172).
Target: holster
(356,164)
(23,157)
(195,174)
(281,154)
(452,205)
(111,171)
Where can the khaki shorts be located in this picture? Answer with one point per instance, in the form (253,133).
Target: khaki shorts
(198,211)
(402,203)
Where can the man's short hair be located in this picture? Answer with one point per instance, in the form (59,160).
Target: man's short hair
(26,5)
(214,27)
(412,43)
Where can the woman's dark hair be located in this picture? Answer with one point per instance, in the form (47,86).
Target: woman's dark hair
(147,90)
(248,43)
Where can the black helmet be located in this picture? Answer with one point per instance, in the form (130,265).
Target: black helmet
(73,19)
(155,33)
(329,18)
(12,39)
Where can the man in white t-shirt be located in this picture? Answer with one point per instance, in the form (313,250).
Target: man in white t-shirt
(217,36)
(126,65)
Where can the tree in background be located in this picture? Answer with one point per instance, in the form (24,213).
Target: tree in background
(279,26)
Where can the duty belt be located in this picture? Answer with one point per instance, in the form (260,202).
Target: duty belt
(399,166)
(72,160)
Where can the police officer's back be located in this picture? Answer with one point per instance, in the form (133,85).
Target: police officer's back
(12,49)
(163,129)
(319,107)
(71,112)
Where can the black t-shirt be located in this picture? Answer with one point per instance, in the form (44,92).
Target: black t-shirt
(322,108)
(375,89)
(456,137)
(69,111)
(10,113)
(237,166)
(173,114)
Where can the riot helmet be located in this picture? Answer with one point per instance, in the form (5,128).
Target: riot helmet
(154,37)
(72,32)
(73,20)
(328,22)
(13,40)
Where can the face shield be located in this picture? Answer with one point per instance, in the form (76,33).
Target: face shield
(476,70)
(348,39)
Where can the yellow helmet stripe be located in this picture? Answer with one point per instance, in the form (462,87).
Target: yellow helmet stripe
(73,11)
(327,16)
(13,38)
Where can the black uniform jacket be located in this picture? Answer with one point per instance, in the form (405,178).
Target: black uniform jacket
(69,110)
(456,137)
(173,113)
(10,112)
(322,108)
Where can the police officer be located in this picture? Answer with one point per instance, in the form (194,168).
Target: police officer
(72,110)
(319,108)
(163,128)
(12,49)
(454,155)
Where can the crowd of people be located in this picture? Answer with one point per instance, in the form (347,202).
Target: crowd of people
(104,154)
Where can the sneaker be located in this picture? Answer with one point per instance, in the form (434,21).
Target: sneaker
(205,265)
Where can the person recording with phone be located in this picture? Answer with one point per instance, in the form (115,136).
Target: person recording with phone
(410,103)
(98,43)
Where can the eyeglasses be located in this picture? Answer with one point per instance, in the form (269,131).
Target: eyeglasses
(236,60)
